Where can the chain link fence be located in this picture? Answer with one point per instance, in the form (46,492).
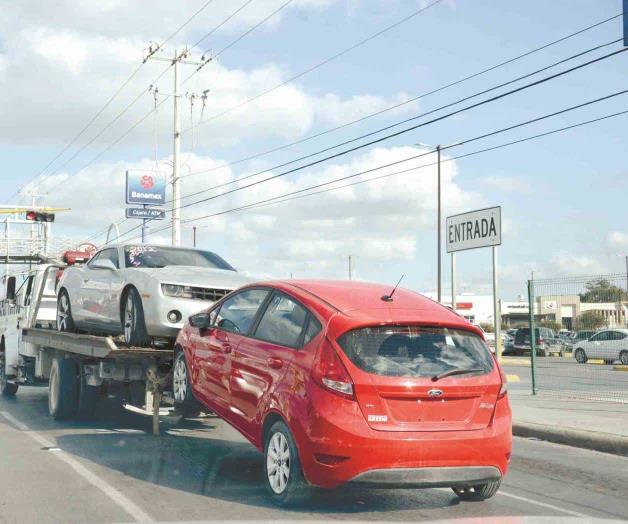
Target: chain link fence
(580,347)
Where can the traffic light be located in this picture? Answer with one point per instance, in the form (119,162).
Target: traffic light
(36,216)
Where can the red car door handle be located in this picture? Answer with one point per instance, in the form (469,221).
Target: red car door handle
(226,348)
(274,363)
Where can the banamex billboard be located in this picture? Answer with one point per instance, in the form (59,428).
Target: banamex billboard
(146,188)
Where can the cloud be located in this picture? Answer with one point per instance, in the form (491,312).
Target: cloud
(507,184)
(617,240)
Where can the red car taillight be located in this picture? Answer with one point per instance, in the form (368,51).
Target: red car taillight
(503,390)
(330,372)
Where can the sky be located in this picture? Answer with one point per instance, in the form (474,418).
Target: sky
(563,196)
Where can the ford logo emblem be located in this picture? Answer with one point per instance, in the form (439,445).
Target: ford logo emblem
(434,393)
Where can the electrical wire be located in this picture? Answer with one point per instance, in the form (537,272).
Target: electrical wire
(397,133)
(476,138)
(285,197)
(410,100)
(114,96)
(319,64)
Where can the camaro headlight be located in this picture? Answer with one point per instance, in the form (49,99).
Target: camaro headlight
(175,290)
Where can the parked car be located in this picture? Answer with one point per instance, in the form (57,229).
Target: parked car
(490,341)
(346,382)
(608,345)
(545,341)
(577,337)
(141,291)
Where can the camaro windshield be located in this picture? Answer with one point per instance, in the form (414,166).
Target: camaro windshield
(412,351)
(156,257)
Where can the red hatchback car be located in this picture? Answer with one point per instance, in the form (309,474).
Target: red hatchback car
(337,381)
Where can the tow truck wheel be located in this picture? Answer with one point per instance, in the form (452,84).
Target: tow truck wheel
(87,396)
(63,388)
(133,320)
(479,492)
(65,322)
(184,400)
(7,389)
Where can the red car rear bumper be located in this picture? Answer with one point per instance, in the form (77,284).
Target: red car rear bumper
(336,446)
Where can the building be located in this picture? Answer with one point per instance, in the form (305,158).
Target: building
(567,309)
(478,309)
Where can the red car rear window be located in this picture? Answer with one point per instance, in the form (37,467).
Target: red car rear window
(412,351)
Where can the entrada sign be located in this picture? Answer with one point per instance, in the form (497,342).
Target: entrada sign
(481,228)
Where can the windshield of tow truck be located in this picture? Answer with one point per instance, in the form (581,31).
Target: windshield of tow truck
(157,257)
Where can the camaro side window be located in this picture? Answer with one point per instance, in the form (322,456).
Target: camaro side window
(282,322)
(238,312)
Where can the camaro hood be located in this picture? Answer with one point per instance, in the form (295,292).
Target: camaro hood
(197,276)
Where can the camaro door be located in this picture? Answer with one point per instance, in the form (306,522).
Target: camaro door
(99,305)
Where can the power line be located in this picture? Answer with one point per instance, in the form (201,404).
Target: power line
(286,196)
(397,133)
(410,100)
(463,142)
(318,65)
(115,94)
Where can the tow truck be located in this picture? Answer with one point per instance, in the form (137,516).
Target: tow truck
(78,369)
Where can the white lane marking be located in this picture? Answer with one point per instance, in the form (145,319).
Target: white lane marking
(537,502)
(543,504)
(127,505)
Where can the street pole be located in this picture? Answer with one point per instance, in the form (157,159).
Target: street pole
(453,282)
(497,317)
(438,272)
(194,236)
(176,180)
(349,267)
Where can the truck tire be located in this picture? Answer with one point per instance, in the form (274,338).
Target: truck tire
(184,400)
(133,322)
(65,322)
(87,396)
(63,389)
(7,389)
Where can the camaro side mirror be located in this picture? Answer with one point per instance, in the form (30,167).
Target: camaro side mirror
(104,263)
(200,321)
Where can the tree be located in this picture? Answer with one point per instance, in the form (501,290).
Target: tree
(488,328)
(591,320)
(602,290)
(551,324)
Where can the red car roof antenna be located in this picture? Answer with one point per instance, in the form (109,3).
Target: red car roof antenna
(389,297)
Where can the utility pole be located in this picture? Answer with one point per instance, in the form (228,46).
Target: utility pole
(439,285)
(179,58)
(176,179)
(349,267)
(194,236)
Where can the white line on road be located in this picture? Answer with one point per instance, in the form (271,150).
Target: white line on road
(543,504)
(127,505)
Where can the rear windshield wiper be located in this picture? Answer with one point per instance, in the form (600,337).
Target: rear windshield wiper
(456,372)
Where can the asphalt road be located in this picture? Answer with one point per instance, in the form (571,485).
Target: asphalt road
(111,469)
(566,376)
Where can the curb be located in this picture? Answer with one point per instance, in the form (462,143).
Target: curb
(620,367)
(605,442)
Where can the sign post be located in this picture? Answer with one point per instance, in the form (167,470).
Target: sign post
(473,230)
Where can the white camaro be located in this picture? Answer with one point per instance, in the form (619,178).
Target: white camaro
(141,291)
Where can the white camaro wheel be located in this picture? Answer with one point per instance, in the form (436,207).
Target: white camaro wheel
(133,320)
(65,322)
